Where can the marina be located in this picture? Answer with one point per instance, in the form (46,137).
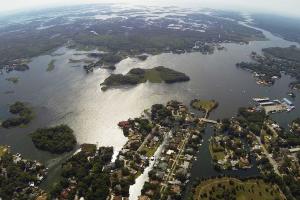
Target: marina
(274,106)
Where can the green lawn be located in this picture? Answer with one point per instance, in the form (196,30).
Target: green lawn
(150,151)
(205,105)
(153,76)
(137,174)
(3,150)
(253,189)
(216,151)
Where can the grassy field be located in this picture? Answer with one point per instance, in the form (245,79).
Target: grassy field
(150,151)
(216,151)
(51,66)
(3,150)
(204,105)
(254,189)
(160,74)
(137,75)
(153,76)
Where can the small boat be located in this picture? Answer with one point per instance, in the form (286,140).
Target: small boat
(291,94)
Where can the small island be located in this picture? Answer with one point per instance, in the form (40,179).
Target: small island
(71,60)
(58,139)
(204,105)
(142,57)
(13,79)
(17,66)
(137,75)
(51,66)
(24,112)
(107,58)
(111,58)
(106,61)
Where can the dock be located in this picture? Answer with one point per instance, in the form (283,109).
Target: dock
(208,121)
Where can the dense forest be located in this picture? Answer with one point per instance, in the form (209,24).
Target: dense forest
(85,175)
(58,139)
(112,35)
(251,119)
(16,174)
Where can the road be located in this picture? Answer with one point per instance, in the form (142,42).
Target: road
(144,142)
(272,129)
(175,161)
(271,160)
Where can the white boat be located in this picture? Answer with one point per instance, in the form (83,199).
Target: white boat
(261,99)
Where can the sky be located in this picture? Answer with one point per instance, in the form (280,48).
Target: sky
(281,7)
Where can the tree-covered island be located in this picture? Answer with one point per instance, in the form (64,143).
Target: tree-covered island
(58,139)
(25,115)
(51,65)
(106,61)
(13,79)
(137,75)
(205,106)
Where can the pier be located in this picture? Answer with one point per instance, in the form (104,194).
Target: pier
(208,121)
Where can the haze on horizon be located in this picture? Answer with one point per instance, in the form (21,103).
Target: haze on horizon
(280,7)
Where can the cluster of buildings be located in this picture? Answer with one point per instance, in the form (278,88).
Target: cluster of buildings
(269,145)
(17,65)
(263,79)
(268,68)
(30,168)
(274,106)
(170,172)
(229,152)
(175,133)
(143,140)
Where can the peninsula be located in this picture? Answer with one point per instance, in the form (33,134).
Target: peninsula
(267,68)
